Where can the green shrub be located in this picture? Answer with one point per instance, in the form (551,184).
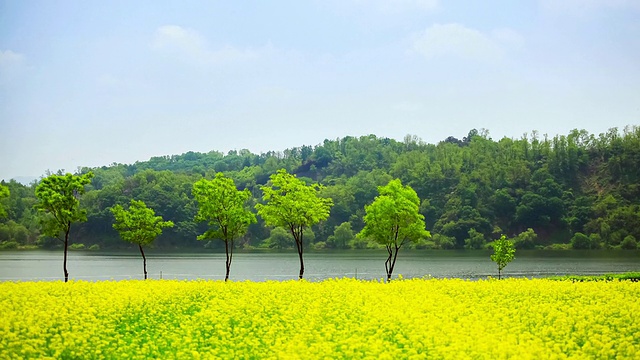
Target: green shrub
(629,243)
(94,247)
(580,241)
(526,239)
(475,240)
(8,245)
(76,247)
(443,241)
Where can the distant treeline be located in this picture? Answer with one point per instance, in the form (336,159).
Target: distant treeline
(572,191)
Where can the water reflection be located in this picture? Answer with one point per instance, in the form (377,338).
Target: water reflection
(93,266)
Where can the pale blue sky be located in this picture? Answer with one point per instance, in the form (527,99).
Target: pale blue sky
(89,83)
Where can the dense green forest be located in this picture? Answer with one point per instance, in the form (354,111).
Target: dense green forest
(568,191)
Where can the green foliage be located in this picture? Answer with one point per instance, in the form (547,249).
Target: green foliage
(580,241)
(555,185)
(503,253)
(280,239)
(475,241)
(293,205)
(526,240)
(222,206)
(58,200)
(444,242)
(4,193)
(629,243)
(8,245)
(394,219)
(342,236)
(138,224)
(77,246)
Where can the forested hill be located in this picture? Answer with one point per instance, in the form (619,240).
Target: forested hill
(472,190)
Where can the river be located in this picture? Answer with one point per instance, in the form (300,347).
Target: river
(41,265)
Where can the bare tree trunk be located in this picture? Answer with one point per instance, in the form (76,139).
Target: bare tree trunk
(387,264)
(144,261)
(229,257)
(300,251)
(393,262)
(66,246)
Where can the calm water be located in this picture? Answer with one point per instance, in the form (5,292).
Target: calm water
(102,265)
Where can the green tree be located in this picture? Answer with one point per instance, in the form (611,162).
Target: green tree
(342,236)
(222,206)
(475,240)
(503,253)
(293,205)
(139,225)
(629,243)
(279,238)
(580,241)
(392,219)
(526,239)
(58,199)
(4,193)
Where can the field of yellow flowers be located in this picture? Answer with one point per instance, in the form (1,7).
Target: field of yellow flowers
(415,319)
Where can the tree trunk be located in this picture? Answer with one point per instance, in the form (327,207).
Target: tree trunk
(229,257)
(300,250)
(66,246)
(387,264)
(297,237)
(499,271)
(144,262)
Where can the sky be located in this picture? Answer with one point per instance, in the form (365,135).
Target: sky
(91,83)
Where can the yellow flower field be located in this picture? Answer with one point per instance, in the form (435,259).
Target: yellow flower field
(414,319)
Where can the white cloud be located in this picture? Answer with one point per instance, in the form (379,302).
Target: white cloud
(192,46)
(459,41)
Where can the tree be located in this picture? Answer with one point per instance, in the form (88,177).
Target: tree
(503,253)
(580,241)
(4,193)
(58,198)
(293,205)
(392,219)
(475,240)
(139,225)
(222,206)
(342,236)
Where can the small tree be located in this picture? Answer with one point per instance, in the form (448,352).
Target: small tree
(503,253)
(222,206)
(293,205)
(139,225)
(58,199)
(393,219)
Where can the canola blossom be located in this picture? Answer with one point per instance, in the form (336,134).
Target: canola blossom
(346,318)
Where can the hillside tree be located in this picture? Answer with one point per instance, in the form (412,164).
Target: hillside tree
(4,193)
